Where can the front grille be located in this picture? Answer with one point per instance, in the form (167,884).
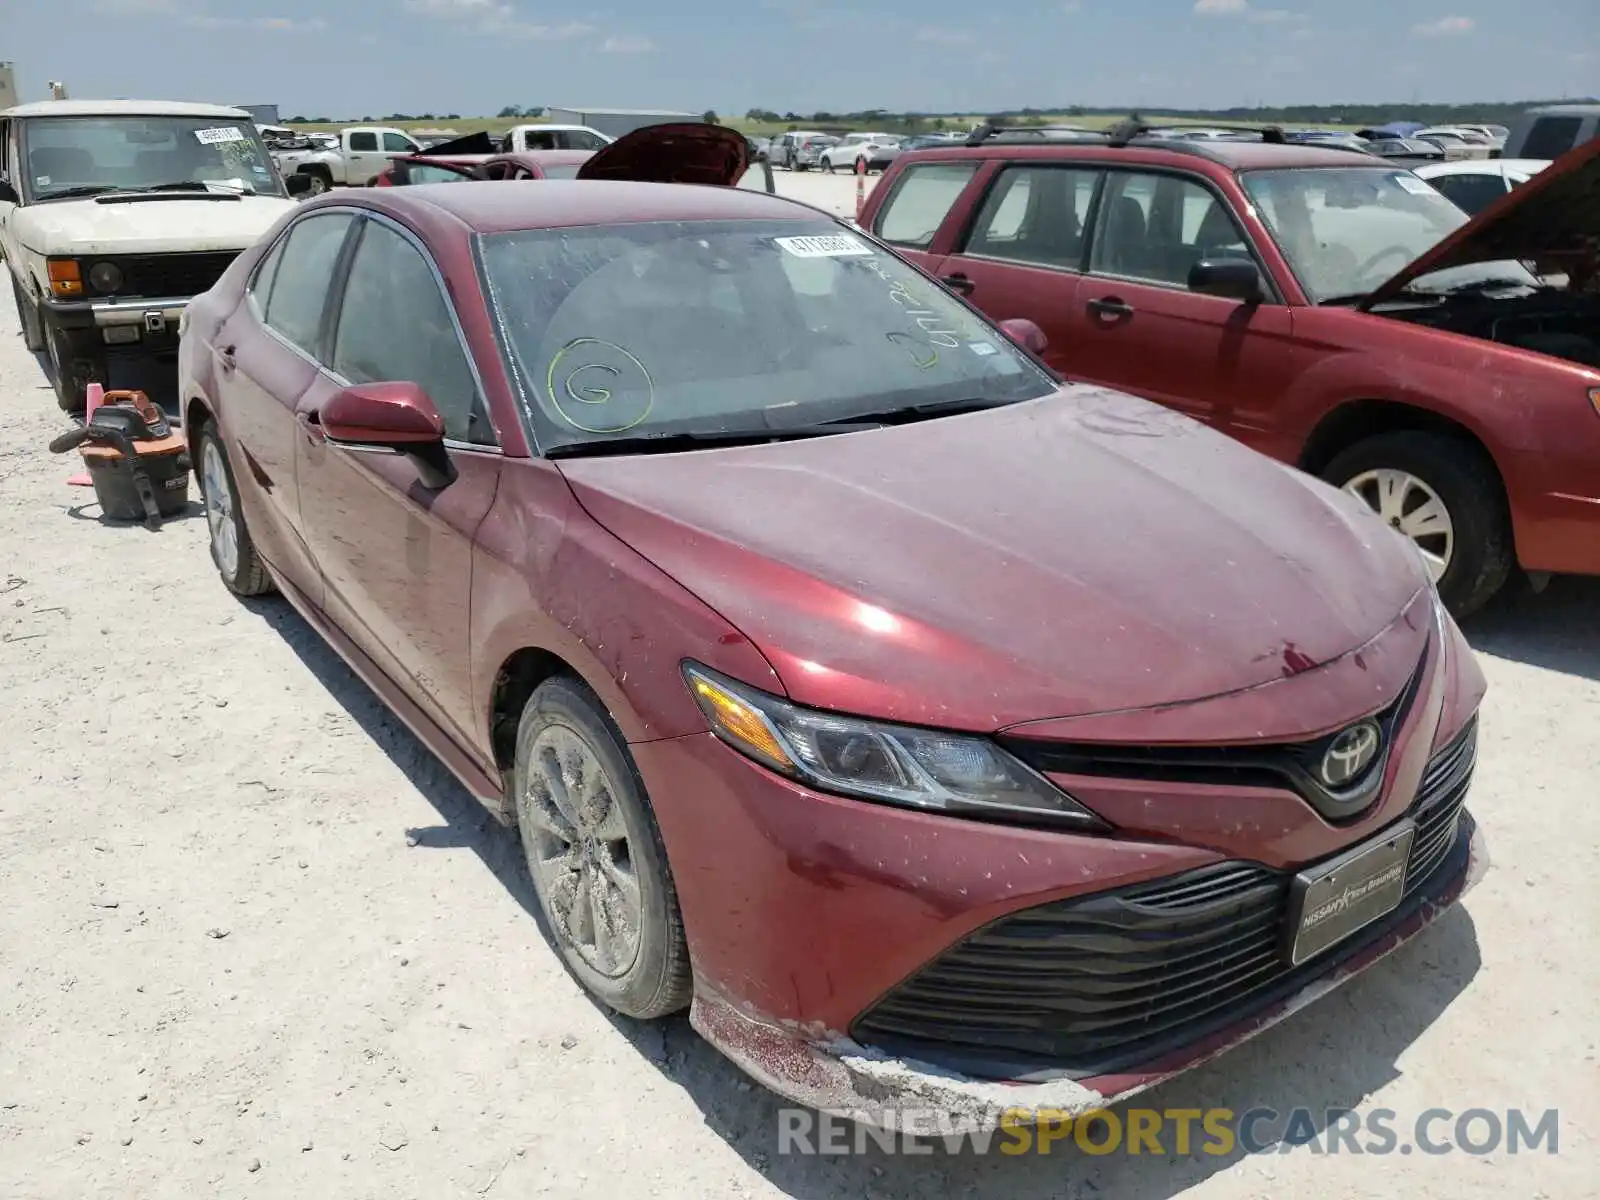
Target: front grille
(1102,982)
(1291,766)
(158,276)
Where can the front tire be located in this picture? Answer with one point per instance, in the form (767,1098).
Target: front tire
(232,550)
(321,183)
(1446,496)
(595,854)
(29,317)
(71,380)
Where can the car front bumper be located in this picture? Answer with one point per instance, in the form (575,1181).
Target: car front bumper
(845,952)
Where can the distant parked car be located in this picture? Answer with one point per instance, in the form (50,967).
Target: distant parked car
(1455,142)
(1550,130)
(801,150)
(874,150)
(1474,184)
(1406,151)
(523,138)
(1327,308)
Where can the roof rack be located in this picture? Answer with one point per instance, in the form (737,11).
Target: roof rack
(988,131)
(1136,127)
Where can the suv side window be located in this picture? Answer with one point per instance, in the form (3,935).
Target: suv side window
(1035,214)
(1471,193)
(582,139)
(1551,137)
(363,143)
(922,198)
(395,324)
(1155,228)
(303,275)
(394,143)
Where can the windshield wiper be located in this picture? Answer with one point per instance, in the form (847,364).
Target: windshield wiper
(200,185)
(936,408)
(646,443)
(85,189)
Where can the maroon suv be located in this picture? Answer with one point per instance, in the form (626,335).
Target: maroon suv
(923,723)
(1326,307)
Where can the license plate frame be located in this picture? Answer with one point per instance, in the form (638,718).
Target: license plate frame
(1334,900)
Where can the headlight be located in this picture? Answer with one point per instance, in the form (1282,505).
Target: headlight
(105,277)
(871,760)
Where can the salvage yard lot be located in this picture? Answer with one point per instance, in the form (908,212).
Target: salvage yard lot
(257,942)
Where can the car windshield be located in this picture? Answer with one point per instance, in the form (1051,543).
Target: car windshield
(133,153)
(1345,231)
(717,328)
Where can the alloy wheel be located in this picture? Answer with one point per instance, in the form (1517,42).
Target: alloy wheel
(577,846)
(1411,507)
(219,509)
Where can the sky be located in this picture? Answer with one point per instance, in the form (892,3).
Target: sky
(352,58)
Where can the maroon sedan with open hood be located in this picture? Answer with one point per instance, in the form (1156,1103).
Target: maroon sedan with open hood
(921,722)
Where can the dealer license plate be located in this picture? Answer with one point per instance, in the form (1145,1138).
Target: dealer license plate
(1329,902)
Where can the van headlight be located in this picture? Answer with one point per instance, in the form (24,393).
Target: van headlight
(954,773)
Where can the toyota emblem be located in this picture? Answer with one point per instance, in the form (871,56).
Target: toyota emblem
(1350,754)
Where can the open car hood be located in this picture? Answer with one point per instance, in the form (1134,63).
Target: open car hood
(1553,220)
(685,152)
(472,143)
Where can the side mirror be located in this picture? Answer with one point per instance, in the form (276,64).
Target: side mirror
(8,194)
(1025,334)
(298,183)
(1230,278)
(391,418)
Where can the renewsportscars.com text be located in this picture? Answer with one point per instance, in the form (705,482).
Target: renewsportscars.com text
(1215,1132)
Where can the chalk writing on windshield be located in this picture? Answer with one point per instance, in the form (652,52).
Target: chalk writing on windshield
(596,386)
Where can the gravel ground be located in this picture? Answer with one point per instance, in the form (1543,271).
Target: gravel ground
(258,943)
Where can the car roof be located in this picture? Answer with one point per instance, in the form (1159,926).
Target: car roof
(1482,166)
(125,108)
(1238,156)
(504,206)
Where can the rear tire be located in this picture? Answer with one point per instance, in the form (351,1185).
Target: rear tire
(1466,483)
(321,183)
(232,550)
(595,854)
(29,317)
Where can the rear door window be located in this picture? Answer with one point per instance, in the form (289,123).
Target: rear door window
(1035,215)
(1471,193)
(1551,137)
(923,197)
(304,277)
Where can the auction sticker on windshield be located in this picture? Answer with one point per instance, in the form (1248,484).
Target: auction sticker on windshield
(831,245)
(221,133)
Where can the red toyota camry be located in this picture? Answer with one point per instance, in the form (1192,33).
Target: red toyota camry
(920,721)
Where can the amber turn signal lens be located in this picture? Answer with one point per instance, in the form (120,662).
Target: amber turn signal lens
(740,723)
(1594,399)
(64,277)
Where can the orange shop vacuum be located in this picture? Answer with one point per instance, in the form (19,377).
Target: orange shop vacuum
(138,466)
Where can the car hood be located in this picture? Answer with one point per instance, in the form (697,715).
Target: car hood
(156,226)
(1081,553)
(679,152)
(1553,219)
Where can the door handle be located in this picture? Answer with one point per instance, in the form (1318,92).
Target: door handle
(1110,306)
(958,283)
(310,425)
(226,359)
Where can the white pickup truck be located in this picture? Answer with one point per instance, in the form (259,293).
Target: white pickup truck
(114,213)
(521,139)
(364,152)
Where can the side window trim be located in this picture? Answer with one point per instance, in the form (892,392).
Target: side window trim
(1044,164)
(1096,216)
(330,333)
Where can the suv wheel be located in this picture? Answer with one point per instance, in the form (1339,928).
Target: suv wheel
(1445,496)
(594,852)
(28,317)
(321,183)
(66,371)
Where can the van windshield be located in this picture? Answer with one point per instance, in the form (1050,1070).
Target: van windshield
(67,155)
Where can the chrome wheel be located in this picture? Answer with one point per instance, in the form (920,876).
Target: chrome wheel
(219,509)
(577,845)
(1409,506)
